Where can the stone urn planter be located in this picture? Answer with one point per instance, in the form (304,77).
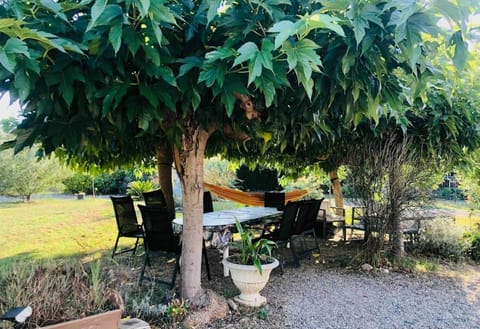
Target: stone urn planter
(249,281)
(106,320)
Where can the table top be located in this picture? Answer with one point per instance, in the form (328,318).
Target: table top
(228,217)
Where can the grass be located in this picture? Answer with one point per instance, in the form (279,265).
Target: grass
(55,228)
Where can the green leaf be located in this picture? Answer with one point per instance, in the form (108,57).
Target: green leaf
(55,7)
(161,13)
(196,99)
(254,69)
(8,62)
(16,46)
(158,33)
(285,29)
(461,50)
(219,53)
(321,21)
(213,9)
(115,37)
(144,7)
(147,92)
(266,54)
(110,14)
(132,40)
(66,90)
(22,83)
(247,51)
(97,10)
(188,64)
(167,75)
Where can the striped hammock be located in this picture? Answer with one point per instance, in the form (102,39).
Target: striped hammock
(249,198)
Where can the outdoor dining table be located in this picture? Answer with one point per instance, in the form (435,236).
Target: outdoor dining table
(218,221)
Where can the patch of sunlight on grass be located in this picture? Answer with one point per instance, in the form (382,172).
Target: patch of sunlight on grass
(52,228)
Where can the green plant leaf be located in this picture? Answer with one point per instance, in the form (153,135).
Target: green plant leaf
(97,10)
(115,37)
(213,6)
(16,46)
(8,62)
(55,7)
(144,7)
(285,29)
(247,51)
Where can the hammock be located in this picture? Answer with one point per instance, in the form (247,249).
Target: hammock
(250,198)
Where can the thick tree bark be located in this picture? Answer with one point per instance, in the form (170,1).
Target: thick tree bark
(337,189)
(189,165)
(165,161)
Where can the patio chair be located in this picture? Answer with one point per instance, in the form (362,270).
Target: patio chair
(327,219)
(306,220)
(357,222)
(159,240)
(154,198)
(207,202)
(207,207)
(127,223)
(283,232)
(274,200)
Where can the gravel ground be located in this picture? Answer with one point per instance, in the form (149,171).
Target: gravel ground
(319,296)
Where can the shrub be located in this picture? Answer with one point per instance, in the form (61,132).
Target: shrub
(475,247)
(78,183)
(115,183)
(449,193)
(443,238)
(58,292)
(136,188)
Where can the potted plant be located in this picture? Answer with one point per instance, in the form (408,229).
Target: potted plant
(250,269)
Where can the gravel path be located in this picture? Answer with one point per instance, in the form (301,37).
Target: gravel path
(314,296)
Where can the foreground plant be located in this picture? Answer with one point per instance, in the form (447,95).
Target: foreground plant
(253,252)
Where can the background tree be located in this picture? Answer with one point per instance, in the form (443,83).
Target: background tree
(23,174)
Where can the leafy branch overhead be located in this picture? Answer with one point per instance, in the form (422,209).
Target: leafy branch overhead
(101,70)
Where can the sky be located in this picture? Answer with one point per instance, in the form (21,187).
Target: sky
(7,111)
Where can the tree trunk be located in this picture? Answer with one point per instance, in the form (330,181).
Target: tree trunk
(165,161)
(337,189)
(189,165)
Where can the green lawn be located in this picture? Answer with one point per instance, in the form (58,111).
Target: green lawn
(52,228)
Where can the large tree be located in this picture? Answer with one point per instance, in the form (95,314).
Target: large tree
(113,80)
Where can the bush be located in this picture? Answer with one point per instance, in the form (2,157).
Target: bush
(443,238)
(136,188)
(475,248)
(447,193)
(58,292)
(78,183)
(115,183)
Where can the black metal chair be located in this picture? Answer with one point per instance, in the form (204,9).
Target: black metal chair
(274,200)
(154,198)
(306,220)
(127,223)
(207,207)
(159,240)
(283,232)
(207,202)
